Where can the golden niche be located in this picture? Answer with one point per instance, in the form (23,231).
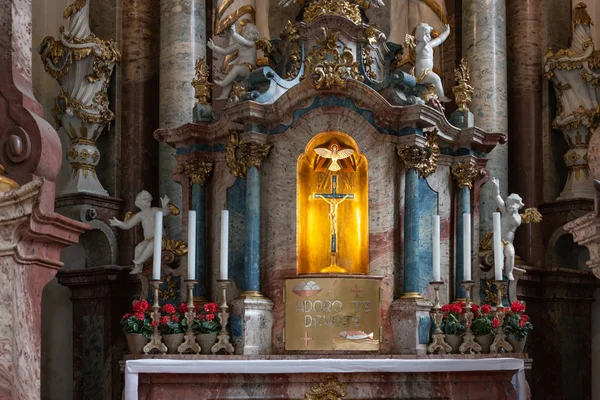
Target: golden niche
(333,215)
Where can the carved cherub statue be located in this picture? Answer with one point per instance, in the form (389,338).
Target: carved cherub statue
(144,249)
(424,46)
(245,46)
(511,220)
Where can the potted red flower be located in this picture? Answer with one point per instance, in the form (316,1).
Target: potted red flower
(483,327)
(453,325)
(137,326)
(517,326)
(171,328)
(206,326)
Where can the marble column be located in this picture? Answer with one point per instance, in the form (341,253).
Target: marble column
(464,173)
(182,43)
(484,48)
(139,110)
(32,235)
(254,152)
(411,235)
(252,315)
(524,37)
(198,172)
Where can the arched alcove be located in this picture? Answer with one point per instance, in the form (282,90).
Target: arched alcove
(332,190)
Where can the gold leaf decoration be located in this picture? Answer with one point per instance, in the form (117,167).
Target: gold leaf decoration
(423,159)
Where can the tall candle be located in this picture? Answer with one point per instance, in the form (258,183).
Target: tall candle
(192,245)
(156,260)
(224,244)
(467,246)
(436,248)
(498,248)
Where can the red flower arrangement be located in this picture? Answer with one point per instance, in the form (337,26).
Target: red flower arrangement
(139,321)
(452,322)
(517,322)
(483,321)
(170,322)
(205,322)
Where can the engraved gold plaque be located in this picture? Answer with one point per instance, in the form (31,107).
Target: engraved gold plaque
(332,313)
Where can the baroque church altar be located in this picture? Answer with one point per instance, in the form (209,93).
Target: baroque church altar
(320,191)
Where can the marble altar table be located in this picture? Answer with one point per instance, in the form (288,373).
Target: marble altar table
(455,377)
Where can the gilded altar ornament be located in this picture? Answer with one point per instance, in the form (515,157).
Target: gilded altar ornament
(223,342)
(423,159)
(189,342)
(177,247)
(464,173)
(331,389)
(6,184)
(291,33)
(169,292)
(202,87)
(241,155)
(232,156)
(469,345)
(334,155)
(463,91)
(438,344)
(490,295)
(370,37)
(500,344)
(328,67)
(198,171)
(82,64)
(155,342)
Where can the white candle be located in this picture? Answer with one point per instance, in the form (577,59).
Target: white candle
(436,248)
(224,244)
(192,245)
(156,260)
(467,247)
(498,248)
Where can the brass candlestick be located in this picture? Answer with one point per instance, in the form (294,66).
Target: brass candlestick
(500,344)
(189,343)
(156,341)
(469,344)
(223,338)
(439,343)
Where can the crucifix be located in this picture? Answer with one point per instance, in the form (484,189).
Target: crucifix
(334,199)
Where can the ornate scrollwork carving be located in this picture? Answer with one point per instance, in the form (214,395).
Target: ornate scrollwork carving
(198,171)
(328,67)
(423,159)
(464,173)
(295,55)
(202,87)
(344,9)
(463,91)
(331,389)
(240,156)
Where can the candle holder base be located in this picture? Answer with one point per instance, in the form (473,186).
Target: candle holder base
(500,344)
(438,345)
(223,342)
(156,342)
(189,343)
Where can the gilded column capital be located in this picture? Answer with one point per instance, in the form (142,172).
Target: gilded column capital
(198,170)
(464,173)
(423,159)
(242,155)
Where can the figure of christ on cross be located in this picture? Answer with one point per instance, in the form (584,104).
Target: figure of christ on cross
(334,199)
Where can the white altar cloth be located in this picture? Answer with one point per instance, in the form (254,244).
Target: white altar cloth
(303,366)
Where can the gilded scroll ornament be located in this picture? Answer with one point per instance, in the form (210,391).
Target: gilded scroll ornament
(202,87)
(6,184)
(178,247)
(464,173)
(240,156)
(291,33)
(463,91)
(331,389)
(344,9)
(423,159)
(328,67)
(198,171)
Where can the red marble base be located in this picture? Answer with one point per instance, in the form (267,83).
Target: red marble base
(464,385)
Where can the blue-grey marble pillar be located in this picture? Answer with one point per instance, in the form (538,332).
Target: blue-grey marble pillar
(252,239)
(182,42)
(411,234)
(484,48)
